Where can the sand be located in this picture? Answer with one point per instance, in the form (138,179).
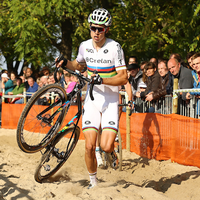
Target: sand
(140,178)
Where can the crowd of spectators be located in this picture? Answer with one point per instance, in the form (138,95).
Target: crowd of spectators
(157,78)
(149,80)
(13,84)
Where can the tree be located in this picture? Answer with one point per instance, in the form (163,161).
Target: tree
(35,31)
(157,28)
(7,40)
(44,27)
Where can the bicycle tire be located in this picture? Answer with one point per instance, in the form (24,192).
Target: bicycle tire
(34,134)
(51,162)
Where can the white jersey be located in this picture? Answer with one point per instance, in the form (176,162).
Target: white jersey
(106,62)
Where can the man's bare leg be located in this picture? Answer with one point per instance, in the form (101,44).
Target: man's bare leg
(90,157)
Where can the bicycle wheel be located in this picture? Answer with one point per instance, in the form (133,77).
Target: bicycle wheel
(38,124)
(57,153)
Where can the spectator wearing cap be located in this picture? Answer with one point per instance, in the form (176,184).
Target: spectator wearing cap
(7,83)
(135,77)
(142,86)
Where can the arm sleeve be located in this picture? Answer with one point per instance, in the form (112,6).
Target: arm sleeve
(186,83)
(159,93)
(119,58)
(80,57)
(155,82)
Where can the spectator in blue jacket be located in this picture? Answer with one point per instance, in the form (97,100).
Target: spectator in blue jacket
(196,76)
(33,87)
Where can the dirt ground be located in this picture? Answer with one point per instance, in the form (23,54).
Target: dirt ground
(140,178)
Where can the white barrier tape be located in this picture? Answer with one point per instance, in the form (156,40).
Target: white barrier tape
(187,90)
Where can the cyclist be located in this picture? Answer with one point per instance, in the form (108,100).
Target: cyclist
(106,65)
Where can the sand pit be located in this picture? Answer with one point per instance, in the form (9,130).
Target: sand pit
(140,179)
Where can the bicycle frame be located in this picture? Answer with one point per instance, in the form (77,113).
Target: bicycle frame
(76,91)
(76,118)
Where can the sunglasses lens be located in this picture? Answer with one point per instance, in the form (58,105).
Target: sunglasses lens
(92,28)
(100,30)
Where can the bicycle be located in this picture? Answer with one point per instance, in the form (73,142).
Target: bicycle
(41,120)
(39,125)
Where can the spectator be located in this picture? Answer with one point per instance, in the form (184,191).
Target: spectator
(189,59)
(154,61)
(23,79)
(144,75)
(153,82)
(19,89)
(39,82)
(176,55)
(29,73)
(142,86)
(72,83)
(7,84)
(132,60)
(44,80)
(164,79)
(33,87)
(45,71)
(135,77)
(179,58)
(4,71)
(184,75)
(25,82)
(24,71)
(195,60)
(51,79)
(67,80)
(142,64)
(13,77)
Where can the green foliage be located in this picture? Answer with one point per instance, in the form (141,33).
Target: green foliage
(157,28)
(35,30)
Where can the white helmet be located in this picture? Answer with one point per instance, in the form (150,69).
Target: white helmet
(100,16)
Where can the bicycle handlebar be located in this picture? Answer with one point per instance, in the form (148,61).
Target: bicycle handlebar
(80,76)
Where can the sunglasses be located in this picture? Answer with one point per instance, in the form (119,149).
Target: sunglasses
(100,29)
